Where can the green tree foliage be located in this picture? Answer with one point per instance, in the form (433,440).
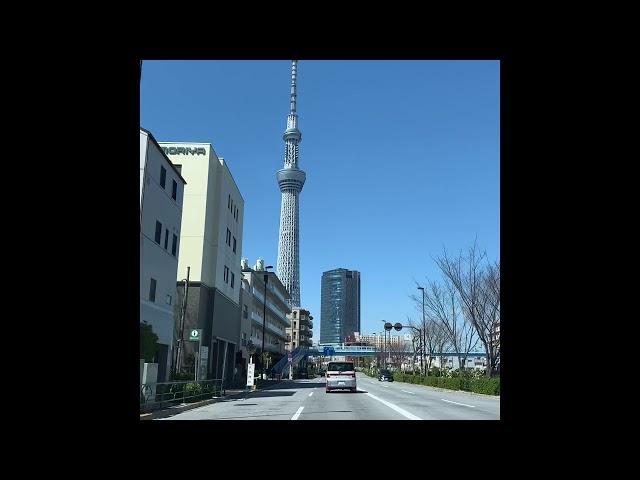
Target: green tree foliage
(148,342)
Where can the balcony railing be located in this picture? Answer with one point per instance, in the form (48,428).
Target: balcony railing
(277,293)
(274,309)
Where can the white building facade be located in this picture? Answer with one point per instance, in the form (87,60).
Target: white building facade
(277,309)
(211,239)
(161,203)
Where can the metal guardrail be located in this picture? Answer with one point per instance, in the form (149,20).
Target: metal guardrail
(154,396)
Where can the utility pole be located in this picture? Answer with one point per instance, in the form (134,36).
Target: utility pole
(182,318)
(424,334)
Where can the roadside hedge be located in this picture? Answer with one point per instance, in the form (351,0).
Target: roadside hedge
(489,386)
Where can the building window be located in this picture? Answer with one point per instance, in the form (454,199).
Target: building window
(166,238)
(152,290)
(294,324)
(245,312)
(169,299)
(232,279)
(229,202)
(234,244)
(228,237)
(174,245)
(226,274)
(158,232)
(174,190)
(294,335)
(163,176)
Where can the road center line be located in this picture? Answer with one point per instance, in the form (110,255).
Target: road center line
(297,414)
(311,394)
(407,391)
(401,411)
(464,404)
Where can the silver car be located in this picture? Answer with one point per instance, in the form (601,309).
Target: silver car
(341,376)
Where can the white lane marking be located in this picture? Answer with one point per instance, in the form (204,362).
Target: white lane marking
(385,386)
(464,404)
(401,411)
(406,391)
(297,414)
(311,394)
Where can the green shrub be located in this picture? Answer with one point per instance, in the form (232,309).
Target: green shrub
(469,380)
(193,391)
(489,386)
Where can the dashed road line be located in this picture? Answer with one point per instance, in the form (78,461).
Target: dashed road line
(401,411)
(311,394)
(464,404)
(407,391)
(297,414)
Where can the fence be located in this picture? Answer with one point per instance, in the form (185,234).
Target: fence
(154,396)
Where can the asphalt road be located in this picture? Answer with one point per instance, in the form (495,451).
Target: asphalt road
(307,400)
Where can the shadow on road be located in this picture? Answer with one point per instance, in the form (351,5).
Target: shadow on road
(345,391)
(285,415)
(293,384)
(271,393)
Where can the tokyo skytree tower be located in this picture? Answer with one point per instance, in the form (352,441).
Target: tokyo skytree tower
(290,180)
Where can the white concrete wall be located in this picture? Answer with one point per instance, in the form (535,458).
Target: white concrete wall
(155,261)
(144,139)
(227,186)
(206,218)
(195,170)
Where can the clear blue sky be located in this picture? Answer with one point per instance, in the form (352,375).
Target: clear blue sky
(402,159)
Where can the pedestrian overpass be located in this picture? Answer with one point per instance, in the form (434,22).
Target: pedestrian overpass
(341,350)
(333,350)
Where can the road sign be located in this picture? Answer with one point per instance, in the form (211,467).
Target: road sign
(290,358)
(195,335)
(329,351)
(250,371)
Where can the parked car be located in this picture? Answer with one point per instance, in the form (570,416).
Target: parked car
(385,375)
(341,376)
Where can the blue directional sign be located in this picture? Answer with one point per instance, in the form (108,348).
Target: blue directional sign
(329,351)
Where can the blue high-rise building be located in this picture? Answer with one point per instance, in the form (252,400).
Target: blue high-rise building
(340,305)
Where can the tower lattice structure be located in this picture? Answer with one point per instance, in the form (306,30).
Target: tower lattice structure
(290,180)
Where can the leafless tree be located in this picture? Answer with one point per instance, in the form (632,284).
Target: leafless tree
(398,351)
(478,287)
(417,341)
(443,305)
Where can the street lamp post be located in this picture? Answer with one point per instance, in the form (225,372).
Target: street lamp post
(264,314)
(387,328)
(424,334)
(384,345)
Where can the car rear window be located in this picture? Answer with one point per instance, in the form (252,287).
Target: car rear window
(340,366)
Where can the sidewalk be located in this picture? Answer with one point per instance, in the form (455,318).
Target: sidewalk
(183,407)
